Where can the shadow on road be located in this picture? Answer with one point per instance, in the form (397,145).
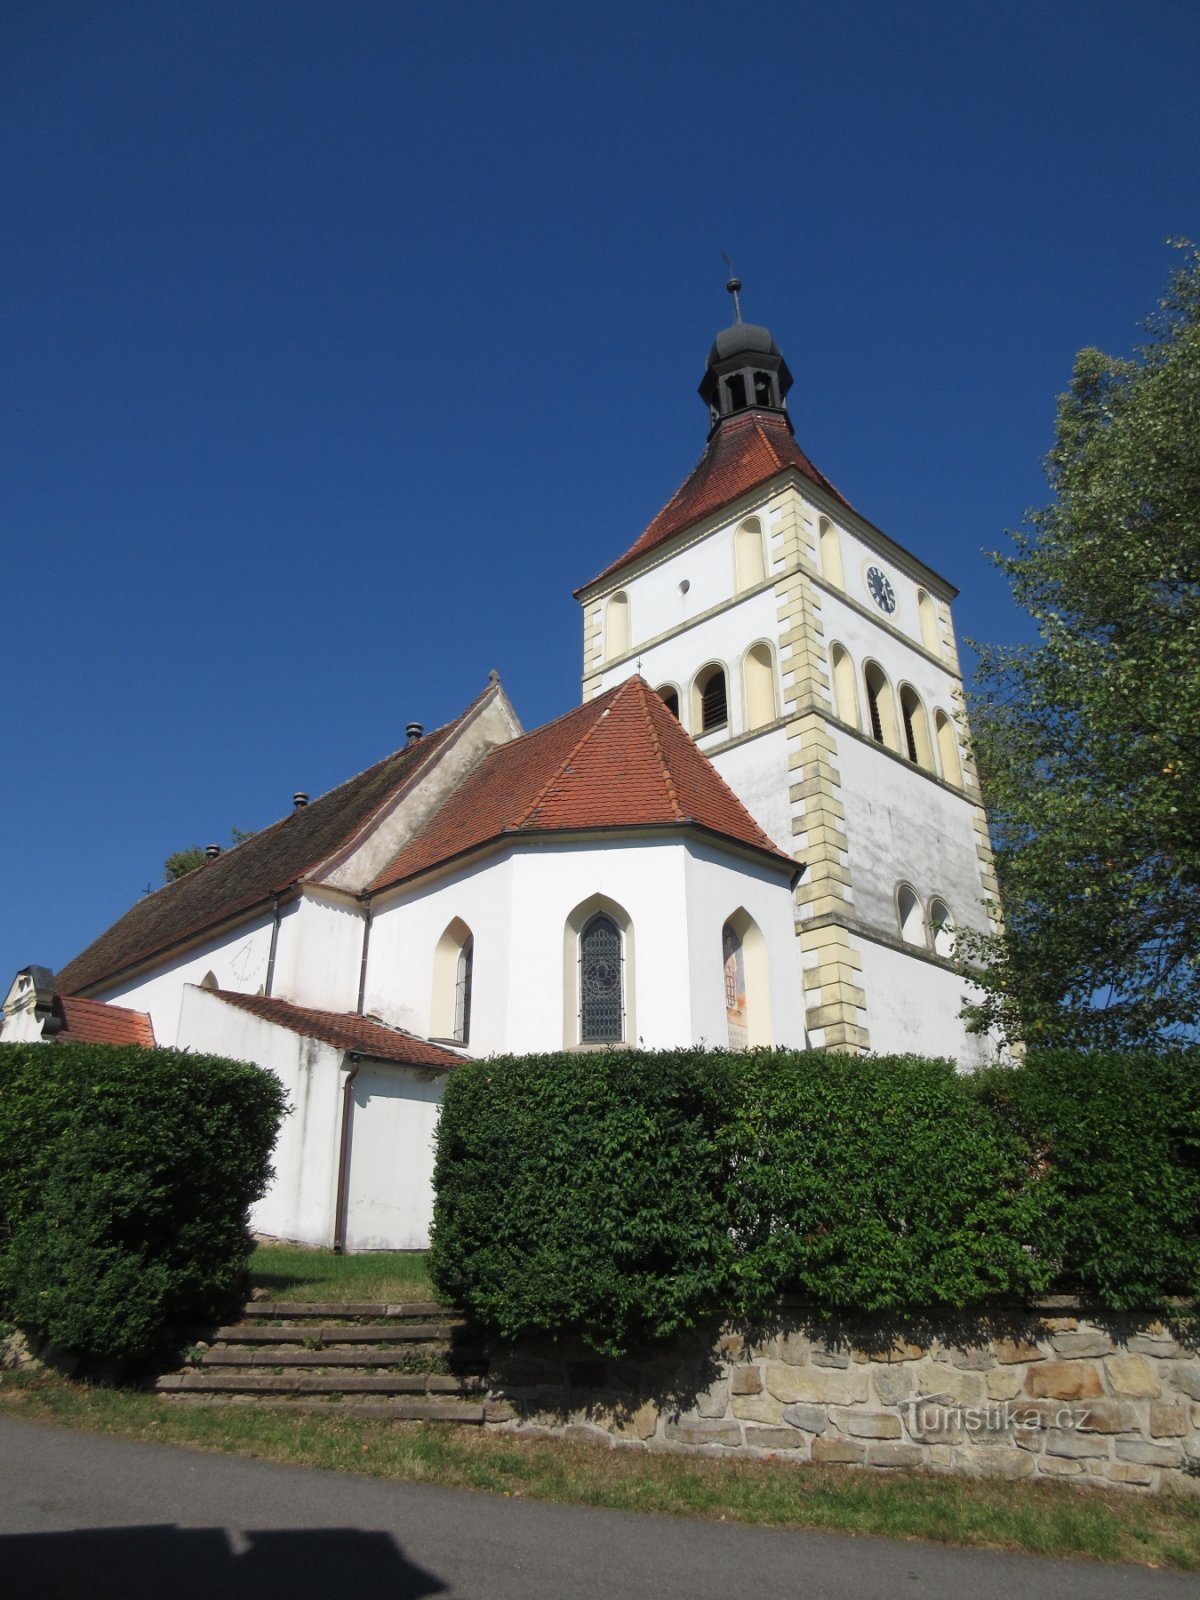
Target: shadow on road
(204,1564)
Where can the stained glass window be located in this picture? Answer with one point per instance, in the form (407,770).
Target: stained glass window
(601,1013)
(462,992)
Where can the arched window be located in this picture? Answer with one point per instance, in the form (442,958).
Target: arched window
(453,971)
(929,627)
(831,553)
(746,982)
(749,561)
(947,744)
(669,695)
(616,619)
(735,987)
(601,989)
(758,681)
(710,699)
(916,728)
(941,927)
(845,694)
(881,707)
(908,910)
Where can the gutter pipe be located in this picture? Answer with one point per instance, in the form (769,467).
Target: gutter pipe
(343,1172)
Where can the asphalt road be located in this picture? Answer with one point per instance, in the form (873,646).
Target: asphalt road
(87,1516)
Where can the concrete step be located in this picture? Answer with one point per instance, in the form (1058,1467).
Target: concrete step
(459,1411)
(386,1356)
(316,1383)
(295,1309)
(348,1333)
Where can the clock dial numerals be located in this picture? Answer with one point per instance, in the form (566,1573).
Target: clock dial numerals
(882,592)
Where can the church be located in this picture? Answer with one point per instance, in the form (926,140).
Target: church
(759,826)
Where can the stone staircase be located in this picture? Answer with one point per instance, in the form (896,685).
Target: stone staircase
(416,1361)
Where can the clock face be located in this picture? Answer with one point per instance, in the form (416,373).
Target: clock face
(882,592)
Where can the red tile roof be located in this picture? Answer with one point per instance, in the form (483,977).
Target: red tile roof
(267,863)
(345,1031)
(94,1022)
(744,452)
(619,761)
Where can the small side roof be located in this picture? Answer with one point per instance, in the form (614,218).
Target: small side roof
(95,1022)
(344,1030)
(618,761)
(744,452)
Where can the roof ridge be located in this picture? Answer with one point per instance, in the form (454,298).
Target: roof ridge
(668,781)
(593,724)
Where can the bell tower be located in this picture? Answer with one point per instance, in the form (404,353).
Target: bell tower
(745,370)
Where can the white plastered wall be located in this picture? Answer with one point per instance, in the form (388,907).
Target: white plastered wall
(301,1202)
(913,1006)
(319,954)
(237,958)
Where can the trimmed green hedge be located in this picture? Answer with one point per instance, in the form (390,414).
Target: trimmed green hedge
(125,1179)
(623,1195)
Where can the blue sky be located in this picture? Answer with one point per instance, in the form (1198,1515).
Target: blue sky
(341,341)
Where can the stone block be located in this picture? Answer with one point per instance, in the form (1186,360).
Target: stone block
(1109,1416)
(933,1424)
(1167,1421)
(757,1408)
(824,1355)
(998,1462)
(1059,1467)
(899,1350)
(865,1424)
(1004,1383)
(639,1424)
(951,1386)
(714,1401)
(746,1380)
(839,1451)
(892,1384)
(1009,1352)
(1149,1455)
(794,1349)
(813,1419)
(776,1439)
(892,1455)
(1129,1472)
(1064,1380)
(1060,1324)
(1187,1380)
(1082,1342)
(1074,1445)
(703,1431)
(971,1358)
(498,1411)
(1134,1376)
(1145,1344)
(732,1345)
(828,1384)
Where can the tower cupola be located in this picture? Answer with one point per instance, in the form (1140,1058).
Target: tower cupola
(745,370)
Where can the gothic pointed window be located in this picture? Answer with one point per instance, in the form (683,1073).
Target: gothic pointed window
(453,974)
(601,990)
(462,992)
(736,1018)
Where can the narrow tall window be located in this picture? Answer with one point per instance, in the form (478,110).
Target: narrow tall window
(758,678)
(712,703)
(881,708)
(616,640)
(762,389)
(845,697)
(830,553)
(908,910)
(669,696)
(916,728)
(929,627)
(941,926)
(736,1016)
(947,743)
(601,1011)
(749,562)
(462,992)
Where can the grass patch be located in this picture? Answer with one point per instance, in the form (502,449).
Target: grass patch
(1044,1519)
(289,1272)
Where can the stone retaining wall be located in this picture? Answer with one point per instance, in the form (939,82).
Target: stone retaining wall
(1054,1392)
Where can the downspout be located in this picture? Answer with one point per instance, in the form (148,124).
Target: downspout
(343,1171)
(274,944)
(366,945)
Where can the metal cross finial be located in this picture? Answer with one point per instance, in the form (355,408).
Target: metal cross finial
(734,285)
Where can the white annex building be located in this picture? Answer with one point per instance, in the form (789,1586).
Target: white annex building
(759,827)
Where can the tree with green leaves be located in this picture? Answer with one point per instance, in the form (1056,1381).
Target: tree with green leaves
(1088,742)
(181,862)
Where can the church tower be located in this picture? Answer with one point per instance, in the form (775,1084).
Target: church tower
(813,660)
